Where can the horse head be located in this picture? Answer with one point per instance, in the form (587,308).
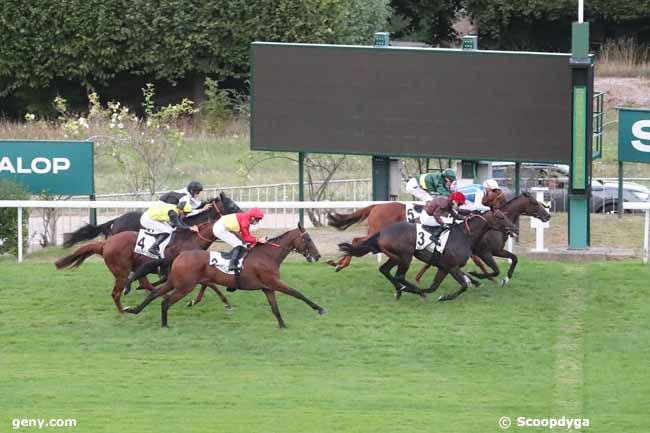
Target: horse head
(227,205)
(500,222)
(304,245)
(535,209)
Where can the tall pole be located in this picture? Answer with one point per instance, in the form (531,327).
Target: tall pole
(301,186)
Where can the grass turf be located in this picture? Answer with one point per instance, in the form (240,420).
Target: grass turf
(561,340)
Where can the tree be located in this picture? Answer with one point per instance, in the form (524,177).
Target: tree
(426,21)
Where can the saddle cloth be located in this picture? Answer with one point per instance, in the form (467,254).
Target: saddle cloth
(427,240)
(221,261)
(146,238)
(411,213)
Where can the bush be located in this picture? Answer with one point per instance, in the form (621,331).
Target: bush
(9,218)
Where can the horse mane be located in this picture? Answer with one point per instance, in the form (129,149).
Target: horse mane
(525,194)
(281,236)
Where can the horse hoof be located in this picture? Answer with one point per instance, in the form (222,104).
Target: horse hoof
(398,294)
(339,268)
(423,297)
(505,281)
(331,263)
(228,308)
(191,303)
(129,310)
(444,298)
(323,311)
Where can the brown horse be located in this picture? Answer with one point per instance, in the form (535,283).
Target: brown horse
(494,242)
(398,241)
(261,271)
(120,257)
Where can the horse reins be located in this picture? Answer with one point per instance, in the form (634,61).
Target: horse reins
(214,205)
(469,231)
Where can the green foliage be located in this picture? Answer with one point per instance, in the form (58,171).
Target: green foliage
(9,217)
(216,109)
(425,21)
(92,41)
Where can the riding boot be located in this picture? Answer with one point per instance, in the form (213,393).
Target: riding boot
(236,254)
(160,237)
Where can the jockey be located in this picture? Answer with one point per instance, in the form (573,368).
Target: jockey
(424,186)
(240,222)
(163,218)
(492,194)
(440,207)
(190,192)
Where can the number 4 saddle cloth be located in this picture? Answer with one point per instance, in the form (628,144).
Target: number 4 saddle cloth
(430,238)
(145,239)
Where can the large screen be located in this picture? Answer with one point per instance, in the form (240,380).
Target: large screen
(490,105)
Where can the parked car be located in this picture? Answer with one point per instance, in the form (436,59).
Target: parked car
(604,194)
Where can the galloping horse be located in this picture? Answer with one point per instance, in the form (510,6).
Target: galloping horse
(494,242)
(130,221)
(398,241)
(261,271)
(120,258)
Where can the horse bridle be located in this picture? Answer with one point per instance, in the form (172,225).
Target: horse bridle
(291,250)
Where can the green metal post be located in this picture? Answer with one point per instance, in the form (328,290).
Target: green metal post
(581,137)
(92,212)
(301,186)
(380,178)
(517,178)
(620,189)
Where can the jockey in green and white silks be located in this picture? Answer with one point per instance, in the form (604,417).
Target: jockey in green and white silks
(425,186)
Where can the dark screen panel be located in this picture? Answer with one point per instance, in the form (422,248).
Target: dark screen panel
(424,102)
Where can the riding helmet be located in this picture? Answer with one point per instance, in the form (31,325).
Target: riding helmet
(458,197)
(450,174)
(256,213)
(194,187)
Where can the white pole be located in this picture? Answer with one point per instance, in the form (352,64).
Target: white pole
(581,10)
(645,236)
(20,234)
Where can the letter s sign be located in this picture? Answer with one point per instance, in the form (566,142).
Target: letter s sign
(638,132)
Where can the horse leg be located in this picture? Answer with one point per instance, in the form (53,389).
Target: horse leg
(508,255)
(145,284)
(460,277)
(221,296)
(198,297)
(385,271)
(142,271)
(440,275)
(270,296)
(280,286)
(170,300)
(477,260)
(152,295)
(421,272)
(403,284)
(117,294)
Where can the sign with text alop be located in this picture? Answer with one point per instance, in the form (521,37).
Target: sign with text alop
(58,167)
(633,134)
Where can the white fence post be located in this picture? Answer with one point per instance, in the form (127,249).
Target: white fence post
(537,224)
(20,234)
(646,228)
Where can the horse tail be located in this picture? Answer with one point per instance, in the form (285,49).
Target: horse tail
(75,259)
(87,232)
(343,221)
(370,245)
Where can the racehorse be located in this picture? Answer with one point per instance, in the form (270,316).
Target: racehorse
(398,241)
(494,242)
(261,271)
(120,257)
(130,221)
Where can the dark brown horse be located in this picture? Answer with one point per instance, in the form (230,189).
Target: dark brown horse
(120,258)
(261,271)
(130,222)
(494,242)
(397,242)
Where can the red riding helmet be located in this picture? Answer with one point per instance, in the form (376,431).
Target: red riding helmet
(256,213)
(458,197)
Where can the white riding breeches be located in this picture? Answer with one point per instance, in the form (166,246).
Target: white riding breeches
(221,232)
(413,187)
(155,226)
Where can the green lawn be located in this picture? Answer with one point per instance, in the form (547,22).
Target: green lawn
(561,340)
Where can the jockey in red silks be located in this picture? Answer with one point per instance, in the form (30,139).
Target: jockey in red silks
(442,207)
(227,228)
